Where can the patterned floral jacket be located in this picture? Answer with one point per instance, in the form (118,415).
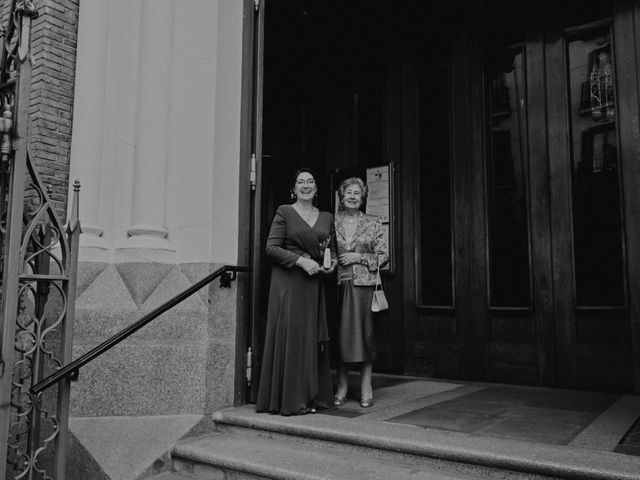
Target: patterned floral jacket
(368,239)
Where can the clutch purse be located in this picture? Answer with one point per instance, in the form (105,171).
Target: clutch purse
(379,300)
(326,260)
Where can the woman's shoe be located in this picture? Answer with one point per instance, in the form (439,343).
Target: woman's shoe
(339,401)
(366,402)
(306,411)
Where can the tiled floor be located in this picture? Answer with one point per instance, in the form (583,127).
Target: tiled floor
(523,413)
(543,415)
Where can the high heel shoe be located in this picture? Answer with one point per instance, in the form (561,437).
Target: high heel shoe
(339,401)
(366,402)
(306,411)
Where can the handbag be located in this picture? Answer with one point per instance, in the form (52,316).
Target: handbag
(379,300)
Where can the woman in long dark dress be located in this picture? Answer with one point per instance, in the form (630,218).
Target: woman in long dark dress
(362,251)
(295,377)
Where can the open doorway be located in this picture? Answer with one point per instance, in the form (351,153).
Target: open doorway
(327,74)
(324,82)
(333,101)
(353,85)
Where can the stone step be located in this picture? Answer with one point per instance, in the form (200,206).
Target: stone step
(169,476)
(224,455)
(447,452)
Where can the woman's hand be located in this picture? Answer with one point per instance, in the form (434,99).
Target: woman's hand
(308,265)
(349,258)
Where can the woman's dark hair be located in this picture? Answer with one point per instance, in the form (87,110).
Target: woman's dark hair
(292,187)
(302,170)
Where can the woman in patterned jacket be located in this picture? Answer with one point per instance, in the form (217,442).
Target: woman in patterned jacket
(361,251)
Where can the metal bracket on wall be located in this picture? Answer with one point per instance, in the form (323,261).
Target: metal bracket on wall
(226,278)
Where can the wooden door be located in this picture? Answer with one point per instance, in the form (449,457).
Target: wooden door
(588,153)
(519,209)
(515,246)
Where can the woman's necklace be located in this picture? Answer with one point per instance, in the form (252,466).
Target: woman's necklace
(349,225)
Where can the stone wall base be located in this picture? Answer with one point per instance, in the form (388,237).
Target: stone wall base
(182,363)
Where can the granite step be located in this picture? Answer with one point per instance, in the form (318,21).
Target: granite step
(170,476)
(225,455)
(431,451)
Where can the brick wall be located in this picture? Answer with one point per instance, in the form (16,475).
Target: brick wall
(53,40)
(53,46)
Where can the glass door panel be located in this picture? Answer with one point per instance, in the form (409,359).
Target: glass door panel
(509,257)
(435,211)
(597,215)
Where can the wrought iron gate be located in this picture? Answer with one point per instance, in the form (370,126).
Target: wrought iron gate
(38,258)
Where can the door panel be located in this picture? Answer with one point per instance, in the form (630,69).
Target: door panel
(431,339)
(512,330)
(560,207)
(540,222)
(509,266)
(540,242)
(596,212)
(626,27)
(601,322)
(435,237)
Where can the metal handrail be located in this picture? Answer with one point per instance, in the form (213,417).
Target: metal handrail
(72,370)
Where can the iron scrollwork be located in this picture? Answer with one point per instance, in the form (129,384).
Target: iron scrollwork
(37,269)
(43,302)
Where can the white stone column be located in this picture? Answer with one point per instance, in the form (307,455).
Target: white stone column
(148,228)
(88,138)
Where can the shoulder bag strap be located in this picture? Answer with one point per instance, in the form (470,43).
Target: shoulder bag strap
(378,279)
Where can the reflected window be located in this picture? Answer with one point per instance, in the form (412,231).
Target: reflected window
(509,259)
(436,264)
(597,216)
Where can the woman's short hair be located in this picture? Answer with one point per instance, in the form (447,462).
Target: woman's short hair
(352,181)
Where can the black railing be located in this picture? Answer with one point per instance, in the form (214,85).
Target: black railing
(226,274)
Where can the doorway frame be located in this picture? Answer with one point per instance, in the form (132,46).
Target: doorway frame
(249,184)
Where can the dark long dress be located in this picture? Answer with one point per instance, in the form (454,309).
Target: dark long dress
(295,364)
(357,337)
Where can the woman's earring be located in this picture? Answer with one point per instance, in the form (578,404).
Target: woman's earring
(293,196)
